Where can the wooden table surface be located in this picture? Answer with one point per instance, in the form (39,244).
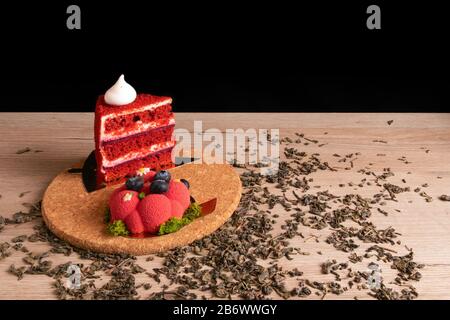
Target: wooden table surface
(67,138)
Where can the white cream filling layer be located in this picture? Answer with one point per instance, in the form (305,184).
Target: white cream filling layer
(136,154)
(141,127)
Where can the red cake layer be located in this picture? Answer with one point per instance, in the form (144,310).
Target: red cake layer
(128,121)
(146,112)
(156,161)
(117,148)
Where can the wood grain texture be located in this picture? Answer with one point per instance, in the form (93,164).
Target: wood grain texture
(65,139)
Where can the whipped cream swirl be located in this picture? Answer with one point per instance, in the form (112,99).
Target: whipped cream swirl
(120,93)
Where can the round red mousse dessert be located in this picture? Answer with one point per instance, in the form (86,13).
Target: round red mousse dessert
(148,200)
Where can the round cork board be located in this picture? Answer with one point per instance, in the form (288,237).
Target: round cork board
(77,217)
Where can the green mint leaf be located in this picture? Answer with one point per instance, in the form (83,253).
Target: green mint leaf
(118,228)
(175,224)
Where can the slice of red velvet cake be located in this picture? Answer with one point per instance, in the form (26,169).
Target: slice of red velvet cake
(132,133)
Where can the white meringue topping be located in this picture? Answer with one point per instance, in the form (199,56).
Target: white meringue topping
(120,93)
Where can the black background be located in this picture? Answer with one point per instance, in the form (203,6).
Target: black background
(227,55)
(164,309)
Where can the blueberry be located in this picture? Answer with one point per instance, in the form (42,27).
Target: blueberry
(186,183)
(135,183)
(162,175)
(159,186)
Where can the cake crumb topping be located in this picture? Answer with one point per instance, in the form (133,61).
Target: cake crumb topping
(142,171)
(128,196)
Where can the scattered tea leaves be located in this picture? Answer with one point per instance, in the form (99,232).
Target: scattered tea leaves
(23,150)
